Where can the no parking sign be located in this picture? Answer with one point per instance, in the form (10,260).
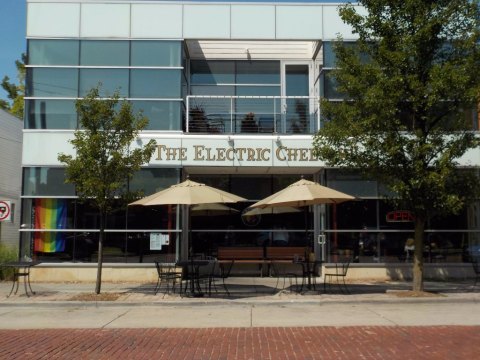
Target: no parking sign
(5,210)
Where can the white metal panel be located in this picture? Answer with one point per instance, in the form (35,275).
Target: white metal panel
(334,26)
(156,21)
(105,20)
(253,22)
(53,20)
(250,50)
(42,148)
(206,21)
(299,22)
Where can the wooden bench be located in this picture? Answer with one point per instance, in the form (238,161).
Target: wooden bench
(242,255)
(284,253)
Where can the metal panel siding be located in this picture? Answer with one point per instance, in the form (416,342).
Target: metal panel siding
(156,21)
(253,22)
(334,26)
(10,173)
(299,22)
(206,21)
(42,148)
(53,20)
(105,20)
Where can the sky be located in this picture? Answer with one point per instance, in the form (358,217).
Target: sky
(12,39)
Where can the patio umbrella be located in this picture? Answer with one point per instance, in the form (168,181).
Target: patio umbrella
(188,193)
(302,194)
(212,209)
(269,210)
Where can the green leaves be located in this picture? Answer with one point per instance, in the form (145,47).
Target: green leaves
(404,121)
(105,159)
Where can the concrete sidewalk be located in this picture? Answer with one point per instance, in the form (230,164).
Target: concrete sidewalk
(254,303)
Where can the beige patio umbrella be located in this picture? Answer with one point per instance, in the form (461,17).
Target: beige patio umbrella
(302,194)
(269,210)
(212,209)
(188,193)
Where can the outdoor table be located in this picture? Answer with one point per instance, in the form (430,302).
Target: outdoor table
(21,269)
(193,271)
(308,271)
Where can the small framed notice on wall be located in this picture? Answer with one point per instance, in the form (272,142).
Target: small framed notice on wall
(157,240)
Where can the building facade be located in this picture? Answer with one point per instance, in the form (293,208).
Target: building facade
(232,93)
(10,178)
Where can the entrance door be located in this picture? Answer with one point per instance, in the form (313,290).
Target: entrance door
(296,106)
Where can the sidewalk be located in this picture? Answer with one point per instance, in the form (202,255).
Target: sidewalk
(252,304)
(242,290)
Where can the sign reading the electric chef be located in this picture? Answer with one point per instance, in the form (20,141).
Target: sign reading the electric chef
(199,153)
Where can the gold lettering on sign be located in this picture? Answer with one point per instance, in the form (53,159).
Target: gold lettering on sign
(198,152)
(203,153)
(279,153)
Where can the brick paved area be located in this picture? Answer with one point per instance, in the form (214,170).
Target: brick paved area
(362,342)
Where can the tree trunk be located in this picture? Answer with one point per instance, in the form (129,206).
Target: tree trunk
(100,253)
(418,254)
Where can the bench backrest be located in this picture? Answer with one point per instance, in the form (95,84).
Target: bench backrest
(284,252)
(240,253)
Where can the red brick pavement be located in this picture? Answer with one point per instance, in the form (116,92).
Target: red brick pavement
(360,342)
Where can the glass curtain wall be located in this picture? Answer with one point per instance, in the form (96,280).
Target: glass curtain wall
(56,226)
(372,230)
(228,78)
(148,73)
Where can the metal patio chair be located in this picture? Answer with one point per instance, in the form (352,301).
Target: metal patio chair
(340,272)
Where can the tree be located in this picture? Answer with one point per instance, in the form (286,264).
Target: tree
(15,93)
(407,83)
(104,159)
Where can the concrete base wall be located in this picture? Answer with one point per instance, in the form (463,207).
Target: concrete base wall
(88,273)
(144,273)
(391,271)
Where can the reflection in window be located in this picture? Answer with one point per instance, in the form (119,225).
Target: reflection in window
(151,180)
(52,82)
(104,53)
(46,181)
(50,114)
(212,72)
(53,52)
(156,53)
(162,115)
(155,83)
(110,80)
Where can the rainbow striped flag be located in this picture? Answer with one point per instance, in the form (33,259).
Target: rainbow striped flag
(50,214)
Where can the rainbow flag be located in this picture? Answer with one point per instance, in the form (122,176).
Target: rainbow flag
(50,214)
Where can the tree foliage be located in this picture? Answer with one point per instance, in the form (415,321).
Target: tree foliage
(15,92)
(104,156)
(403,119)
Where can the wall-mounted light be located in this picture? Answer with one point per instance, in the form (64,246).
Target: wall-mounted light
(231,141)
(278,140)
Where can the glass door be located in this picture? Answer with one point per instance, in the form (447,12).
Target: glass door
(296,114)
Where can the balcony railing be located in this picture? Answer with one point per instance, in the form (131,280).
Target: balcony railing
(252,114)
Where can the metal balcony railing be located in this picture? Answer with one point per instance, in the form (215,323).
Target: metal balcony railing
(252,114)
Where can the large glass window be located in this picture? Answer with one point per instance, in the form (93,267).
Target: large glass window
(50,114)
(110,80)
(151,180)
(46,181)
(212,72)
(53,52)
(155,83)
(156,53)
(162,115)
(104,53)
(258,72)
(48,82)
